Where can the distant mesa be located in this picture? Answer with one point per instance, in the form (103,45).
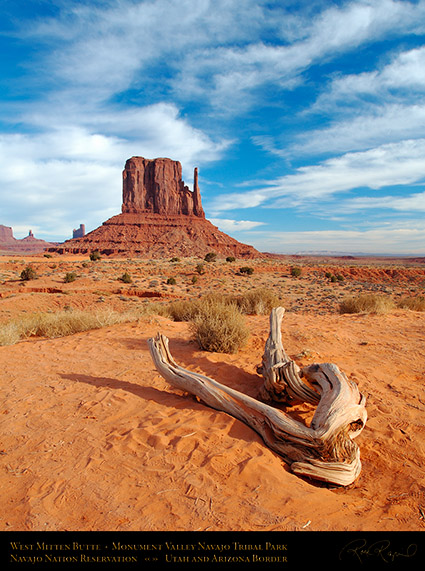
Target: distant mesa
(28,245)
(160,217)
(80,232)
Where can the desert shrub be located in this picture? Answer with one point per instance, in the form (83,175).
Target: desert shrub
(210,257)
(413,303)
(182,310)
(257,302)
(171,281)
(126,278)
(219,327)
(70,277)
(246,270)
(328,275)
(194,279)
(200,268)
(58,324)
(9,333)
(368,303)
(340,277)
(95,256)
(296,272)
(175,259)
(28,274)
(230,259)
(333,279)
(47,255)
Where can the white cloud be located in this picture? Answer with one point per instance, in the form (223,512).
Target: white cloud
(393,164)
(368,109)
(72,172)
(410,203)
(405,71)
(105,49)
(215,51)
(92,58)
(386,123)
(234,72)
(228,225)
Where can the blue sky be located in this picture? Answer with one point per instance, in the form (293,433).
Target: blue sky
(306,119)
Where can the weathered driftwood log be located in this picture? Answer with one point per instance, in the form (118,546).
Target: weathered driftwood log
(282,379)
(323,451)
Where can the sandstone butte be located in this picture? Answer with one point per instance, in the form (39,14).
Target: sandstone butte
(30,244)
(160,217)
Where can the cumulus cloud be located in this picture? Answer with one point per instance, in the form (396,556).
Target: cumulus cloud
(73,170)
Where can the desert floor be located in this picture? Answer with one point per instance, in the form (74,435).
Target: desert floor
(93,438)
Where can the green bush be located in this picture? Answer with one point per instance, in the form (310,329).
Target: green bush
(200,268)
(230,259)
(175,260)
(210,257)
(95,256)
(246,270)
(194,279)
(28,274)
(171,281)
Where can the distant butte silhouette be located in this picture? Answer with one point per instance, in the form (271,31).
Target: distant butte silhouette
(160,217)
(28,245)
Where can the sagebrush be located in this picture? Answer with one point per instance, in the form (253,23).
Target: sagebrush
(219,327)
(367,303)
(61,323)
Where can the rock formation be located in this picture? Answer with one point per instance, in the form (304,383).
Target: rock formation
(28,245)
(156,187)
(80,232)
(160,217)
(6,234)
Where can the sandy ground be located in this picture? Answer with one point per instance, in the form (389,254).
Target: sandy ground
(93,438)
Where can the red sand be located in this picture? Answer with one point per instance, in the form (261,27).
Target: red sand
(93,438)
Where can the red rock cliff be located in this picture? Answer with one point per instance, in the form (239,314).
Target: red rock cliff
(160,217)
(156,186)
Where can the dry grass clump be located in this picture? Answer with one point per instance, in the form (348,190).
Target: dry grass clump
(217,323)
(413,303)
(219,327)
(181,310)
(58,324)
(9,333)
(367,303)
(257,302)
